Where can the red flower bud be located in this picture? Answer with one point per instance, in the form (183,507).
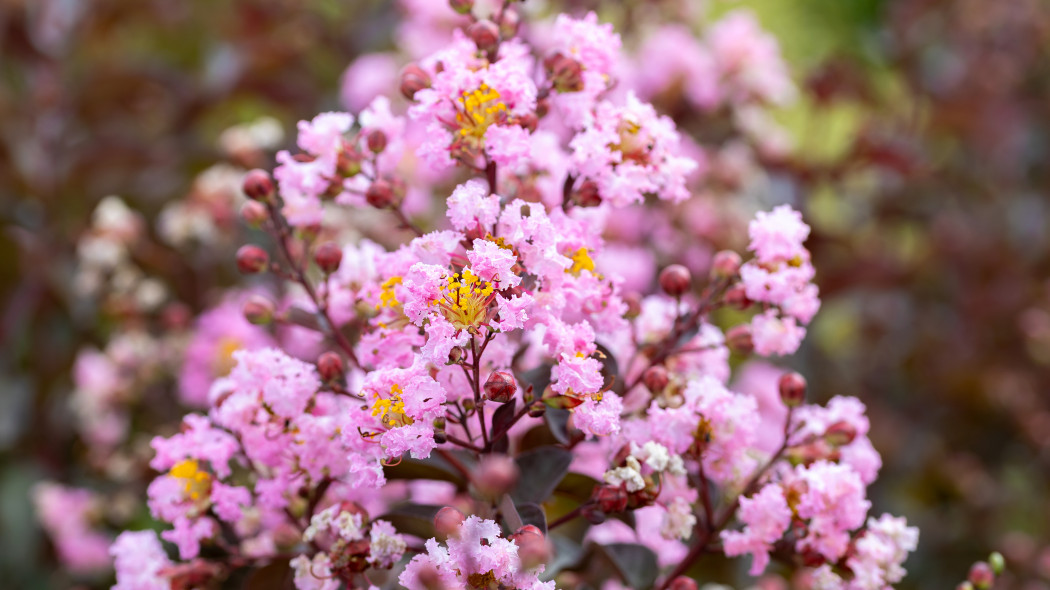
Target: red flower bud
(840,433)
(587,195)
(611,499)
(736,297)
(258,185)
(500,387)
(485,34)
(726,264)
(461,6)
(328,257)
(330,366)
(254,213)
(252,259)
(533,548)
(634,305)
(496,475)
(508,25)
(376,141)
(981,575)
(592,514)
(258,310)
(675,280)
(792,389)
(380,194)
(413,79)
(682,583)
(565,73)
(739,339)
(447,521)
(655,378)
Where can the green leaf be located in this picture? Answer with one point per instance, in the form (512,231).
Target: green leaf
(433,469)
(533,514)
(542,469)
(636,564)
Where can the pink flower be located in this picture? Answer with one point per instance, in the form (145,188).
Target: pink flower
(66,515)
(188,534)
(766,516)
(777,236)
(199,440)
(834,504)
(369,76)
(471,205)
(775,336)
(139,560)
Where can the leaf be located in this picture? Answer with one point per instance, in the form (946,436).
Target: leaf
(533,514)
(577,486)
(538,378)
(510,513)
(567,554)
(561,402)
(503,418)
(542,469)
(558,422)
(635,563)
(432,469)
(413,519)
(537,436)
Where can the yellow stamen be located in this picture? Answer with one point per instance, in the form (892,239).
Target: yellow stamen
(387,297)
(223,361)
(197,482)
(391,411)
(465,300)
(479,110)
(581,261)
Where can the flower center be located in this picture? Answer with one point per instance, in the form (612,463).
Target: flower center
(465,300)
(391,411)
(387,297)
(223,361)
(581,261)
(197,482)
(478,110)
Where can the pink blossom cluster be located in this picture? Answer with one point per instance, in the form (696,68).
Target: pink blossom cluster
(515,347)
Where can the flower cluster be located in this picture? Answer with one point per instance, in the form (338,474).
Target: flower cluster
(504,357)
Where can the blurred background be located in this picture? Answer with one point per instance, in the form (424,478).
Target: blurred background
(919,138)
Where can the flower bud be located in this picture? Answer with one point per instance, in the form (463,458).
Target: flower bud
(508,25)
(655,378)
(252,259)
(485,34)
(456,355)
(468,405)
(176,316)
(413,79)
(376,141)
(257,185)
(258,310)
(726,264)
(739,339)
(447,521)
(500,387)
(840,433)
(537,410)
(981,575)
(682,583)
(461,6)
(675,280)
(528,121)
(254,213)
(792,389)
(996,561)
(592,514)
(634,305)
(533,548)
(496,475)
(565,73)
(380,194)
(430,578)
(328,257)
(348,163)
(330,366)
(611,499)
(587,195)
(736,297)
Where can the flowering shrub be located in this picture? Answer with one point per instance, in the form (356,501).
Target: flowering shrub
(496,395)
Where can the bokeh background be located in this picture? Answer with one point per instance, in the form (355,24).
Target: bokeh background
(921,136)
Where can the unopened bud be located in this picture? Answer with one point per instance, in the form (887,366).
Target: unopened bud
(736,297)
(257,185)
(500,387)
(468,405)
(587,195)
(330,366)
(485,34)
(611,499)
(376,141)
(176,316)
(508,25)
(792,388)
(981,575)
(655,378)
(496,475)
(537,410)
(996,561)
(456,355)
(739,339)
(682,583)
(252,259)
(676,280)
(533,547)
(413,79)
(380,194)
(528,121)
(430,578)
(462,6)
(254,213)
(258,310)
(840,433)
(328,257)
(565,73)
(726,264)
(447,521)
(348,163)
